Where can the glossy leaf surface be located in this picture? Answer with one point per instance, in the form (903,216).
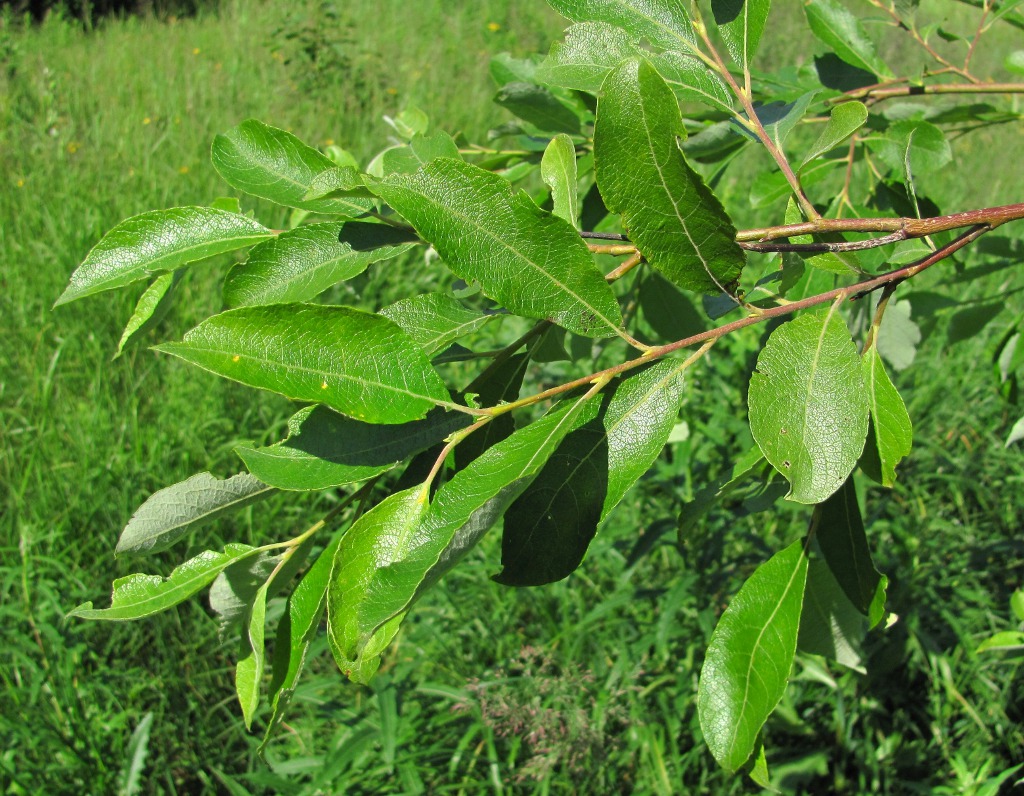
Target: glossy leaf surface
(325,449)
(273,164)
(664,23)
(355,362)
(530,261)
(668,212)
(137,596)
(158,242)
(747,664)
(302,263)
(435,320)
(807,405)
(169,514)
(378,540)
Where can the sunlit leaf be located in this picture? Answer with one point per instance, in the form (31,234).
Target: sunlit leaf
(844,120)
(138,596)
(664,23)
(747,664)
(302,263)
(838,28)
(435,320)
(158,242)
(891,431)
(741,24)
(558,170)
(273,164)
(357,363)
(530,261)
(668,212)
(807,404)
(150,309)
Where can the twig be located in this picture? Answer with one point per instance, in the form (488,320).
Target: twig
(878,93)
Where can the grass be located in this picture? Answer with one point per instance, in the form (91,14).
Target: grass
(584,686)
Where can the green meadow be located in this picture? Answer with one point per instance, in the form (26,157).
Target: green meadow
(585,686)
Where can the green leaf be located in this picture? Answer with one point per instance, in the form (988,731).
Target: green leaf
(138,596)
(891,431)
(325,449)
(362,575)
(151,308)
(538,106)
(664,23)
(434,320)
(533,263)
(357,363)
(338,181)
(590,51)
(807,406)
(741,24)
(169,514)
(898,335)
(249,669)
(746,467)
(839,29)
(463,510)
(296,631)
(232,592)
(691,80)
(1017,604)
(558,170)
(549,527)
(912,147)
(1004,641)
(158,242)
(669,311)
(501,382)
(840,534)
(830,625)
(421,150)
(273,164)
(748,661)
(1014,62)
(302,263)
(669,213)
(844,120)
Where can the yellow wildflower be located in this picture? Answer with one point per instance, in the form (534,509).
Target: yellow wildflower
(147,120)
(183,170)
(196,51)
(493,27)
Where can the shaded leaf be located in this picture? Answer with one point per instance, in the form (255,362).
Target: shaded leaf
(807,406)
(747,664)
(170,513)
(748,466)
(912,147)
(840,534)
(558,170)
(158,242)
(355,362)
(338,181)
(273,164)
(151,308)
(898,335)
(668,212)
(249,669)
(549,527)
(137,596)
(691,80)
(891,432)
(296,631)
(669,311)
(421,150)
(302,263)
(233,590)
(830,625)
(499,383)
(538,106)
(434,320)
(528,260)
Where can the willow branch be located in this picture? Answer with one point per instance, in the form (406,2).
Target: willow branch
(878,93)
